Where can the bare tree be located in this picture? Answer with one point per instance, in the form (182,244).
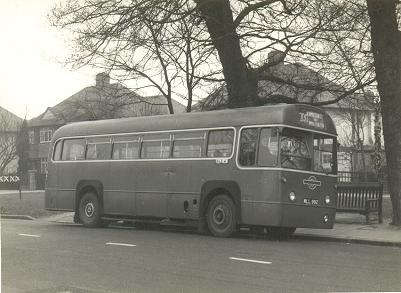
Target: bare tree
(167,46)
(147,44)
(9,128)
(326,36)
(387,60)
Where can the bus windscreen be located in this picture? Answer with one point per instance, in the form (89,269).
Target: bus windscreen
(294,150)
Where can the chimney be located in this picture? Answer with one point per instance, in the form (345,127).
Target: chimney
(102,80)
(275,57)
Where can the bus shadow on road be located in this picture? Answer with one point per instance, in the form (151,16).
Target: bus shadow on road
(243,233)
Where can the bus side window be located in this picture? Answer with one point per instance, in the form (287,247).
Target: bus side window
(155,146)
(220,143)
(188,144)
(98,149)
(323,153)
(247,147)
(74,149)
(126,148)
(57,151)
(268,147)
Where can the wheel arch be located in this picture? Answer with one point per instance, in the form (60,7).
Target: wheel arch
(215,187)
(84,186)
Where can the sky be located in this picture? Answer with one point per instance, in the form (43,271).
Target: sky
(32,76)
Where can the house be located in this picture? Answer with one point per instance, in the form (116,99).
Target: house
(9,128)
(104,100)
(354,116)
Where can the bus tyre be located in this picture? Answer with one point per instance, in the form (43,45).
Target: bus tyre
(221,216)
(89,211)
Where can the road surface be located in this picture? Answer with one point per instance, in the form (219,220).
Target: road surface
(42,256)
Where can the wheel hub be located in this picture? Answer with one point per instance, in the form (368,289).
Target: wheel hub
(89,209)
(219,215)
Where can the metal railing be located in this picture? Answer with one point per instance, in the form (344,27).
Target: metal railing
(360,177)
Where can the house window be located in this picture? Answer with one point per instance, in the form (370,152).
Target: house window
(45,134)
(43,165)
(31,136)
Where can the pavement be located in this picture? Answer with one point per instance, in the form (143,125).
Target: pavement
(352,228)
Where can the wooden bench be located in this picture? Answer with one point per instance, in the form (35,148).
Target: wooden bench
(363,198)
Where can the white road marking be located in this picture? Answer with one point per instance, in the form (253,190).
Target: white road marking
(251,260)
(120,244)
(29,235)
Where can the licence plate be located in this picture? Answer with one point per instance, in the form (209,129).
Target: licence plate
(311,201)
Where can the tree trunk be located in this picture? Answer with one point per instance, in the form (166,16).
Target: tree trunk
(242,90)
(386,52)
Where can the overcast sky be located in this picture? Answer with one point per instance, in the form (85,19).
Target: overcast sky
(31,75)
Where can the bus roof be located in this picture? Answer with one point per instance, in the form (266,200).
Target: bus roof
(296,115)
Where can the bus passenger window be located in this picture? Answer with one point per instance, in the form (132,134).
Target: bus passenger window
(57,151)
(268,147)
(98,149)
(188,144)
(220,143)
(247,147)
(126,148)
(323,149)
(155,146)
(74,149)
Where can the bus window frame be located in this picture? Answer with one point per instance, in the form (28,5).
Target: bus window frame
(113,141)
(203,144)
(233,144)
(54,148)
(334,150)
(107,141)
(62,150)
(169,140)
(139,133)
(309,146)
(278,167)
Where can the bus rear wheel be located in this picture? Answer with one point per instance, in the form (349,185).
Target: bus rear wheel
(221,216)
(89,210)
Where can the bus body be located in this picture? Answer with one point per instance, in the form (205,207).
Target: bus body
(270,166)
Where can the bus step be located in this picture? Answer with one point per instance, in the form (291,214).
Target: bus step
(163,222)
(132,220)
(169,222)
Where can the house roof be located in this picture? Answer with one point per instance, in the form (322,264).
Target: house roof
(9,122)
(296,82)
(103,101)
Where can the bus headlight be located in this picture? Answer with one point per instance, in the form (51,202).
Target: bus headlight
(327,199)
(292,196)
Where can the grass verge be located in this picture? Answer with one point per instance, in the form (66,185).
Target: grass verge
(30,204)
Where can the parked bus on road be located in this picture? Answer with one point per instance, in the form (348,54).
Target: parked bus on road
(268,167)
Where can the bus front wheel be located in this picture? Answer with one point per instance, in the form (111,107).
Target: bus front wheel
(221,216)
(89,211)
